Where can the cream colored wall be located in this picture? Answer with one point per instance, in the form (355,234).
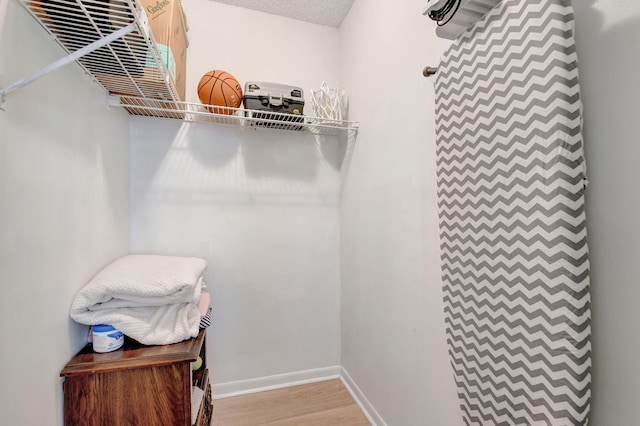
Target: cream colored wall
(254,46)
(608,42)
(390,276)
(261,206)
(64,177)
(64,204)
(393,341)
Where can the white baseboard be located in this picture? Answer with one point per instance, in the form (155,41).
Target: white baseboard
(367,408)
(244,387)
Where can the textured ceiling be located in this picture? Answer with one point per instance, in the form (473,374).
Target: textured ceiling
(323,12)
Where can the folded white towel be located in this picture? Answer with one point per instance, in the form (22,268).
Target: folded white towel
(148,297)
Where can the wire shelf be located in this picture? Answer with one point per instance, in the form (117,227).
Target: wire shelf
(194,112)
(112,41)
(129,65)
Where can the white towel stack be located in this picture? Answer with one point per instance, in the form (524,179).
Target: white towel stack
(150,298)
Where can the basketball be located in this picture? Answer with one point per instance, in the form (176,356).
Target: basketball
(221,89)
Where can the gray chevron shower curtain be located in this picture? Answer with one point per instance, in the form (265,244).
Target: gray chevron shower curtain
(511,182)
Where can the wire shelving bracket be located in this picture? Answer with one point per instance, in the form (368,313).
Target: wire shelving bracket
(110,40)
(64,61)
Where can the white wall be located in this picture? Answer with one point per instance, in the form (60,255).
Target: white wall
(393,340)
(260,206)
(255,46)
(251,203)
(608,42)
(390,272)
(64,176)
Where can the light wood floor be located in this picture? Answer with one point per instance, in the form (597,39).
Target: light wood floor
(325,403)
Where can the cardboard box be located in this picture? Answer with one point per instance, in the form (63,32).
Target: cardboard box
(168,26)
(153,107)
(179,45)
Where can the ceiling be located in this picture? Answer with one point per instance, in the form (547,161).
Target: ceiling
(323,12)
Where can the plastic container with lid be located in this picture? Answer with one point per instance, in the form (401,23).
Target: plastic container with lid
(106,338)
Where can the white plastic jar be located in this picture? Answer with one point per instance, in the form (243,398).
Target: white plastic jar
(106,338)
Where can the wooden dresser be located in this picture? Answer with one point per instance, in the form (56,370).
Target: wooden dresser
(137,385)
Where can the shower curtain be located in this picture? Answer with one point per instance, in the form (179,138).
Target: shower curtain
(511,181)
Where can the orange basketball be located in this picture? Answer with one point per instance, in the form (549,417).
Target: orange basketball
(221,89)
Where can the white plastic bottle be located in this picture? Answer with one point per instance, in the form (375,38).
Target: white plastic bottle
(106,338)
